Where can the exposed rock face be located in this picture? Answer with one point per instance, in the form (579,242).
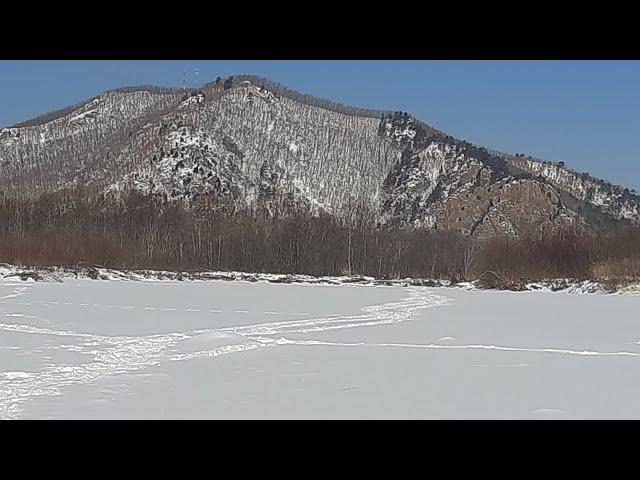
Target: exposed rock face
(240,144)
(190,163)
(443,183)
(420,183)
(619,202)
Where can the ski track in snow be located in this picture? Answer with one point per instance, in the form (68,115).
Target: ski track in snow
(121,354)
(435,346)
(125,354)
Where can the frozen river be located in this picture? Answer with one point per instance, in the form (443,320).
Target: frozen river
(150,349)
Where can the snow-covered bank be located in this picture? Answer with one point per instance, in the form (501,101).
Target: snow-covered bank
(60,274)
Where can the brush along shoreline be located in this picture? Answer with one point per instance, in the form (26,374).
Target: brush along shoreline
(490,281)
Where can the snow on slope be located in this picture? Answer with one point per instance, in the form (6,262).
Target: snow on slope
(190,163)
(242,144)
(77,147)
(615,200)
(278,150)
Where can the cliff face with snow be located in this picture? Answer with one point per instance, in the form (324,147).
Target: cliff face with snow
(443,183)
(238,145)
(616,201)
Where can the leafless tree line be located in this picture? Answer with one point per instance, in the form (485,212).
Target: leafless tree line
(71,228)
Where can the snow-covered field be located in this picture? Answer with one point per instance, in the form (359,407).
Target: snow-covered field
(214,349)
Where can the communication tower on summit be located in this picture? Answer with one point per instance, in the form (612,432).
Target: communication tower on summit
(184,80)
(196,79)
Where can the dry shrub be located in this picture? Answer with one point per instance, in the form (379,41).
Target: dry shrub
(69,228)
(618,268)
(493,280)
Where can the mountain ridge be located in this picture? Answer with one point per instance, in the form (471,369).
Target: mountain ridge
(52,115)
(246,141)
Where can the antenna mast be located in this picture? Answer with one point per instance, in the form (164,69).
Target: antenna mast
(196,78)
(184,80)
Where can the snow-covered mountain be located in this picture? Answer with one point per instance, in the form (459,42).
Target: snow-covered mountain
(247,143)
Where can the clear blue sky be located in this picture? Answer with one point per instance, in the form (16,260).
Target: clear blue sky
(586,113)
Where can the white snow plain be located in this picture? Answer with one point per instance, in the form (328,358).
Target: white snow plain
(213,349)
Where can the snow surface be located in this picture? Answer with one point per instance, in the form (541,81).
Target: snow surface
(214,349)
(88,113)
